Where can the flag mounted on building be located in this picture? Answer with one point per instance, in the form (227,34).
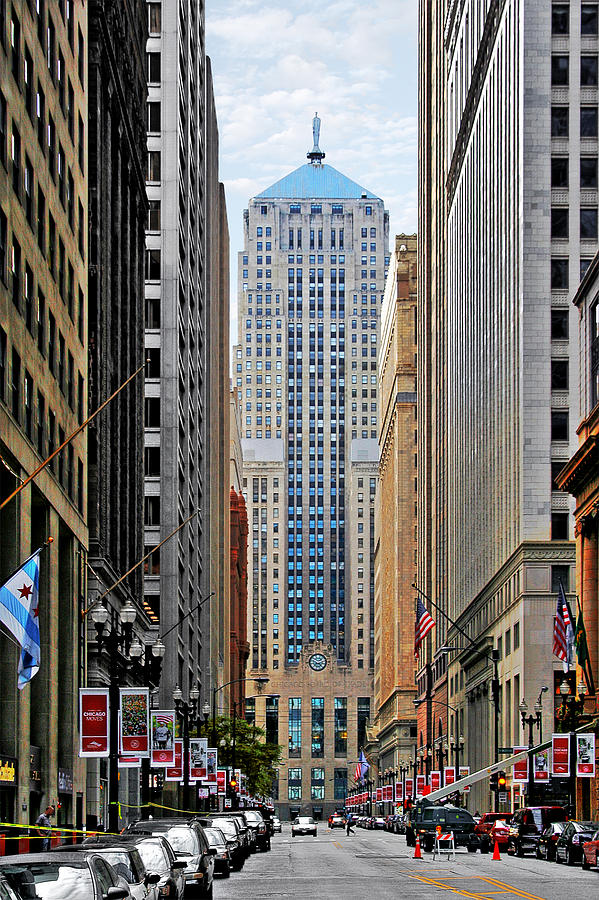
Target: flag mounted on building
(582,650)
(563,629)
(424,623)
(19,597)
(362,767)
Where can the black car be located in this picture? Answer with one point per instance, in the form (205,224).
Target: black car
(527,825)
(257,824)
(126,862)
(568,847)
(49,876)
(548,840)
(6,892)
(222,858)
(157,856)
(188,840)
(425,817)
(230,829)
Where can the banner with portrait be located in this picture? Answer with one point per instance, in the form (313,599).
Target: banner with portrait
(94,731)
(541,766)
(162,733)
(197,758)
(134,704)
(211,766)
(585,755)
(464,772)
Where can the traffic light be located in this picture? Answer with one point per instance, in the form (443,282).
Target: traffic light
(501,782)
(494,781)
(233,785)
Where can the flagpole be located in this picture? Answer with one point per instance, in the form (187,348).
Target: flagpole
(29,558)
(71,437)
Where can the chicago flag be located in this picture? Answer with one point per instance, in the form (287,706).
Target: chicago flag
(19,614)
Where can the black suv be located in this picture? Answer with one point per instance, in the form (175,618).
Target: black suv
(527,825)
(258,826)
(189,842)
(425,817)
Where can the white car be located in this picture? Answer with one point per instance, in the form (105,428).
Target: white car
(303,825)
(276,823)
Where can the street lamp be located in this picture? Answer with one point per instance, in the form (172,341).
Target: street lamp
(531,721)
(188,714)
(117,645)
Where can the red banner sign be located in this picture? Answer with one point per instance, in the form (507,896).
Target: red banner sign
(542,766)
(585,755)
(198,748)
(379,795)
(163,738)
(221,781)
(420,785)
(409,788)
(93,722)
(464,772)
(435,781)
(134,707)
(520,769)
(211,765)
(398,791)
(175,773)
(560,750)
(449,775)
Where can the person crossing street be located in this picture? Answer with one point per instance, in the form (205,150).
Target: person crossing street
(348,824)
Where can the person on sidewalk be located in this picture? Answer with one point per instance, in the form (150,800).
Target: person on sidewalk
(44,827)
(348,824)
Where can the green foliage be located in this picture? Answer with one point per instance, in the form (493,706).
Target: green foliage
(257,759)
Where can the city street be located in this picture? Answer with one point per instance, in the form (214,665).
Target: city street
(378,865)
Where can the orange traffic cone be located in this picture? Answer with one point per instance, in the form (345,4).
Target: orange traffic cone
(417,853)
(496,852)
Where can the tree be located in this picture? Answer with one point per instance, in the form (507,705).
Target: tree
(256,759)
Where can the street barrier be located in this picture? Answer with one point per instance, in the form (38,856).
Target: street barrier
(446,838)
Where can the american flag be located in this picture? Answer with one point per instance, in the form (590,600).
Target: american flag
(362,767)
(560,625)
(424,623)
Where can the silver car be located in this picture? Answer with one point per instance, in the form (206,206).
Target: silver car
(303,825)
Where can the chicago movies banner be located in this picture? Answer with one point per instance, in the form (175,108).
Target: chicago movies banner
(585,755)
(198,748)
(163,737)
(134,721)
(94,718)
(560,751)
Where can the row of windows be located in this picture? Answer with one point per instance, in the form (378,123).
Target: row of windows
(560,121)
(560,169)
(560,71)
(28,408)
(560,223)
(560,19)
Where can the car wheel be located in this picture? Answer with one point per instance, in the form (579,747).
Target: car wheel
(539,856)
(585,864)
(568,857)
(227,872)
(557,859)
(519,850)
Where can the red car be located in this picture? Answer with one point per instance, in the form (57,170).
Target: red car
(485,827)
(590,849)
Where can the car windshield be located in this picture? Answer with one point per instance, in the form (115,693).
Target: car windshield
(215,837)
(305,820)
(52,881)
(122,865)
(228,828)
(153,856)
(254,816)
(584,826)
(182,840)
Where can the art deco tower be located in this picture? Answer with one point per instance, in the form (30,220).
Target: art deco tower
(311,282)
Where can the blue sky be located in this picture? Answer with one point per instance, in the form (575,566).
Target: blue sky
(275,64)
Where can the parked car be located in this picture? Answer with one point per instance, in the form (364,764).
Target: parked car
(303,825)
(378,822)
(548,840)
(246,836)
(222,857)
(276,823)
(568,847)
(126,862)
(188,840)
(528,824)
(255,821)
(485,824)
(336,821)
(47,876)
(6,892)
(230,829)
(425,817)
(590,850)
(157,856)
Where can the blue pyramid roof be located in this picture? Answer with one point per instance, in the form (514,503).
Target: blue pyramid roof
(316,182)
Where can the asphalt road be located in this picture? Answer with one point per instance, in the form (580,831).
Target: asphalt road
(375,865)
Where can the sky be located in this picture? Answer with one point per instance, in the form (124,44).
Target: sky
(275,64)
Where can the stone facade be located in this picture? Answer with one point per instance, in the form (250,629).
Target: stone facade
(43,391)
(396,522)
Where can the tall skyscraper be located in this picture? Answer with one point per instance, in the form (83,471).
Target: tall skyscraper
(311,282)
(518,119)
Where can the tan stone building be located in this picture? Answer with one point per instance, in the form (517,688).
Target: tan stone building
(395,559)
(43,389)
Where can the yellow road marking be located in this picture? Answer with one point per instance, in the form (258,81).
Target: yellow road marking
(337,844)
(514,890)
(506,888)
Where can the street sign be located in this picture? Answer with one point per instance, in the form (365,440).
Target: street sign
(502,796)
(508,750)
(227,803)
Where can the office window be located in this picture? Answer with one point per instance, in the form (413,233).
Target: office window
(317,784)
(15,46)
(559,374)
(340,726)
(559,221)
(559,425)
(154,18)
(272,720)
(153,122)
(559,526)
(560,121)
(588,19)
(153,364)
(153,265)
(560,70)
(154,165)
(295,726)
(340,784)
(154,68)
(152,510)
(560,575)
(588,223)
(559,172)
(16,385)
(153,312)
(15,267)
(588,71)
(294,784)
(152,463)
(588,121)
(588,172)
(559,325)
(152,412)
(16,159)
(318,727)
(560,18)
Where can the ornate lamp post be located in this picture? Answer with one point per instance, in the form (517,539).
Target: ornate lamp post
(188,714)
(531,721)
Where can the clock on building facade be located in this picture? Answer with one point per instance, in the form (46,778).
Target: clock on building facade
(317,662)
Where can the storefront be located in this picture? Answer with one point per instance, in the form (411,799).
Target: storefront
(8,788)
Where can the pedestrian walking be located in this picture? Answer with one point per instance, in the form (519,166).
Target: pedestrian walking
(348,824)
(44,827)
